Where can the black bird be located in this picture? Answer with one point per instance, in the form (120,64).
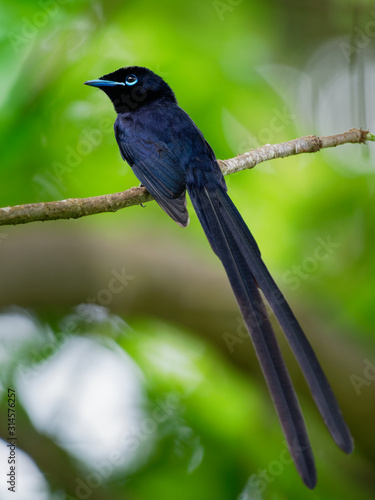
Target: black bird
(170,156)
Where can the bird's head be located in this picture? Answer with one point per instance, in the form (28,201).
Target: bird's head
(132,87)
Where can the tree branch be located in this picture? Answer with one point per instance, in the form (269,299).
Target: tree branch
(79,207)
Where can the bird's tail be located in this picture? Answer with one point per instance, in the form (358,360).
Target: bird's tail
(232,241)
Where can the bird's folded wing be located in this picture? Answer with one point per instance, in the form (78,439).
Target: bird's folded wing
(156,166)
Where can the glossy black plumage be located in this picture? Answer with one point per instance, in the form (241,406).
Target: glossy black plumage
(170,156)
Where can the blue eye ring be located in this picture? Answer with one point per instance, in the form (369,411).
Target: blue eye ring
(131,80)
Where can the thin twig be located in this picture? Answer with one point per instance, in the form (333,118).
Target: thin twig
(74,208)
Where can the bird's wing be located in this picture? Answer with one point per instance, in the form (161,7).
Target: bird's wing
(158,169)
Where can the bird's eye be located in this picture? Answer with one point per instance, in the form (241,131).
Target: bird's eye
(131,80)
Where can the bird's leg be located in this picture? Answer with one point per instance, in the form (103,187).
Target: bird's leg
(140,186)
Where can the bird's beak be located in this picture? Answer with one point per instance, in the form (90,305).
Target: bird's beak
(102,83)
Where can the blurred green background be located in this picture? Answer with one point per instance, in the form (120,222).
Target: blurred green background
(134,375)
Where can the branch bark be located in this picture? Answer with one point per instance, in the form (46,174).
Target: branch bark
(74,208)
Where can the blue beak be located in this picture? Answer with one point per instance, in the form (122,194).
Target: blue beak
(102,83)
